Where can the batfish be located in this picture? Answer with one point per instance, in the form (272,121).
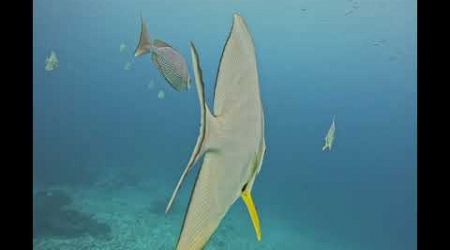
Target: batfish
(231,141)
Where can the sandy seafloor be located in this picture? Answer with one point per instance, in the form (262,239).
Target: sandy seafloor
(135,214)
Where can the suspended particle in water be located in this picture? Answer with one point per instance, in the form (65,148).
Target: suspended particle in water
(151,84)
(122,47)
(51,62)
(161,94)
(127,66)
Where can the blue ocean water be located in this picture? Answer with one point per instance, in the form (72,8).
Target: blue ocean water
(353,59)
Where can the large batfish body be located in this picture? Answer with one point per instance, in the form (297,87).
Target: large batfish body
(231,141)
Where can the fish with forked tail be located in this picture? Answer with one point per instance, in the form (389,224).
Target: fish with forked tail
(169,62)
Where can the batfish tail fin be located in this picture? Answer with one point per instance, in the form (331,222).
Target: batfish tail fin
(206,122)
(145,43)
(248,200)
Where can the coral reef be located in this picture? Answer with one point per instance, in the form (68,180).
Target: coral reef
(53,216)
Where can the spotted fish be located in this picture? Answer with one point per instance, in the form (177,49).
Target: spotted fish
(169,61)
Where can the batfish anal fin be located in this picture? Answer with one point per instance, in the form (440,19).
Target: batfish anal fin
(206,122)
(145,43)
(208,204)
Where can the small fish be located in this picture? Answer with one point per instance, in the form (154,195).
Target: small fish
(348,12)
(122,47)
(329,139)
(51,62)
(170,62)
(161,94)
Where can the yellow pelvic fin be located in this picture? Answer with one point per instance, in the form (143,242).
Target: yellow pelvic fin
(247,197)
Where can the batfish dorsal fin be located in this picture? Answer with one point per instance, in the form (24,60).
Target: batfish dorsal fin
(145,43)
(206,122)
(233,82)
